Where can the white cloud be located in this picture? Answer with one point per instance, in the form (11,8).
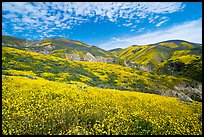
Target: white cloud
(76,13)
(156,17)
(134,26)
(150,19)
(140,30)
(7,6)
(39,30)
(77,18)
(8,16)
(18,28)
(5,33)
(52,18)
(189,31)
(112,10)
(161,7)
(3,25)
(28,20)
(117,39)
(160,23)
(129,24)
(163,20)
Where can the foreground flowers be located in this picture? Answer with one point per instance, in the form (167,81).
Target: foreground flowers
(39,106)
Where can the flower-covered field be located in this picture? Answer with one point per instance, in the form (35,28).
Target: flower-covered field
(100,74)
(38,106)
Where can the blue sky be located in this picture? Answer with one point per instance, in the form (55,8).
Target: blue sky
(104,24)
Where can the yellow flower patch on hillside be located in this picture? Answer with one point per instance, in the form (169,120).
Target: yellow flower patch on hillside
(45,107)
(169,44)
(45,43)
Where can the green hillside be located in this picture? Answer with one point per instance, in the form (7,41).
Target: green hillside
(45,94)
(115,50)
(164,56)
(13,41)
(104,75)
(183,63)
(69,46)
(56,47)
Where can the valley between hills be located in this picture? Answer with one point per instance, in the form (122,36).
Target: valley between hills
(61,86)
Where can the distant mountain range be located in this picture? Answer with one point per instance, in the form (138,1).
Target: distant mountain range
(58,47)
(116,49)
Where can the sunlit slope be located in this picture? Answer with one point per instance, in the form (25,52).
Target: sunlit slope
(156,53)
(144,54)
(160,55)
(103,75)
(39,106)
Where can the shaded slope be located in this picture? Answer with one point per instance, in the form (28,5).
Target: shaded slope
(182,63)
(57,46)
(17,42)
(115,50)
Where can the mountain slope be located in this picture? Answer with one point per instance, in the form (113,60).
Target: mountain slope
(62,43)
(103,75)
(115,50)
(156,57)
(45,94)
(182,63)
(12,41)
(57,47)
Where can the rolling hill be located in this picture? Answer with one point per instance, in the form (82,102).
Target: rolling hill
(46,93)
(114,50)
(100,74)
(61,47)
(173,57)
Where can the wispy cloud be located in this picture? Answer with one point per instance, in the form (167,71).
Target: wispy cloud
(71,14)
(18,28)
(162,21)
(129,24)
(190,31)
(140,30)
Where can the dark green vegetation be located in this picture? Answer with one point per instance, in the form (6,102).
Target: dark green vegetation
(116,49)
